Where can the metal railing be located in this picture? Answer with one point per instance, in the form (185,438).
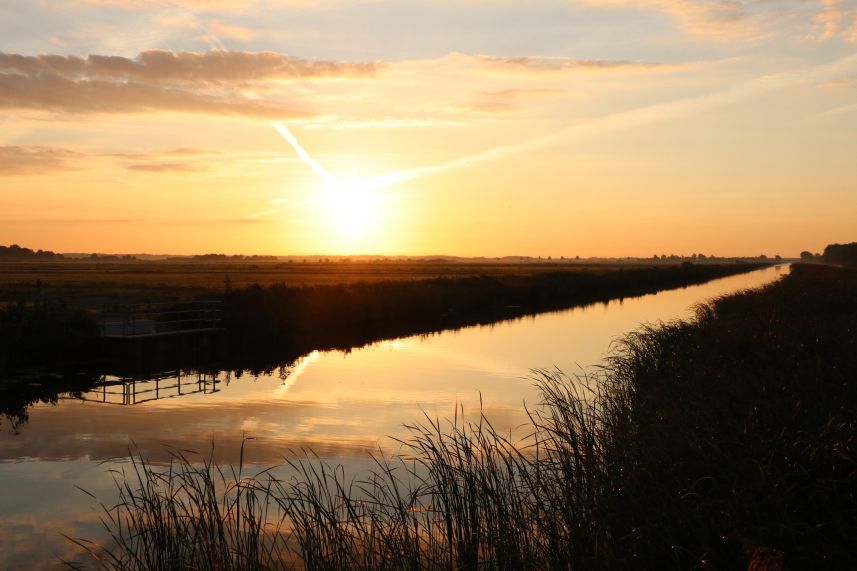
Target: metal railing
(158,318)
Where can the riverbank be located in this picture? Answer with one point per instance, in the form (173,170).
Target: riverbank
(262,322)
(726,441)
(266,326)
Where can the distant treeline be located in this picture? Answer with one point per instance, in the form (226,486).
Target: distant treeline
(834,254)
(235,257)
(16,252)
(264,322)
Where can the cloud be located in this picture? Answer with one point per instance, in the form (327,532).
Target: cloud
(837,83)
(30,160)
(550,64)
(836,111)
(211,82)
(834,19)
(699,17)
(505,100)
(166,167)
(338,123)
(207,5)
(178,68)
(159,155)
(57,94)
(750,19)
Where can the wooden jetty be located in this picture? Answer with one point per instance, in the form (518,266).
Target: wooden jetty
(148,334)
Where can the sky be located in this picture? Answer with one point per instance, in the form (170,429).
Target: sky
(467,127)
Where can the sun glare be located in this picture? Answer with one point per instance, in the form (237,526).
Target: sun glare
(353,213)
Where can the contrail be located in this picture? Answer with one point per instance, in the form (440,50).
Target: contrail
(607,124)
(263,213)
(629,119)
(328,178)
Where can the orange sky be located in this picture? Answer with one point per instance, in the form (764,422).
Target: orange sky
(591,127)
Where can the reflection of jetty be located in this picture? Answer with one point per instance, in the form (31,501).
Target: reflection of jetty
(134,334)
(145,388)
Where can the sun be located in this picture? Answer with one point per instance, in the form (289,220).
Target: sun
(353,212)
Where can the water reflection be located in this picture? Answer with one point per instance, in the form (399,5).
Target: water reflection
(339,404)
(150,387)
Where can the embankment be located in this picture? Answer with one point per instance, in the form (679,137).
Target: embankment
(263,323)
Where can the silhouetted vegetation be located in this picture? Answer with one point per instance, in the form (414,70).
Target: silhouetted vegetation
(45,335)
(234,257)
(841,254)
(16,252)
(723,442)
(262,322)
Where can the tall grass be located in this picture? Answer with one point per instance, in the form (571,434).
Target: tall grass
(191,515)
(459,495)
(727,441)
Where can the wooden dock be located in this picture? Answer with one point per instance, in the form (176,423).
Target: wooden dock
(147,334)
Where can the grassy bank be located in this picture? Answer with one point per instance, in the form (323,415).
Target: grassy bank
(262,322)
(724,442)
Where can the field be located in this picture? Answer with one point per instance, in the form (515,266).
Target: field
(88,280)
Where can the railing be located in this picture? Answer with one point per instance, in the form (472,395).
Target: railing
(147,388)
(159,318)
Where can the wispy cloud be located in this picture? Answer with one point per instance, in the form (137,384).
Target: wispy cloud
(159,80)
(341,123)
(34,160)
(178,68)
(836,18)
(551,64)
(56,94)
(161,155)
(167,168)
(506,100)
(836,112)
(752,19)
(837,83)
